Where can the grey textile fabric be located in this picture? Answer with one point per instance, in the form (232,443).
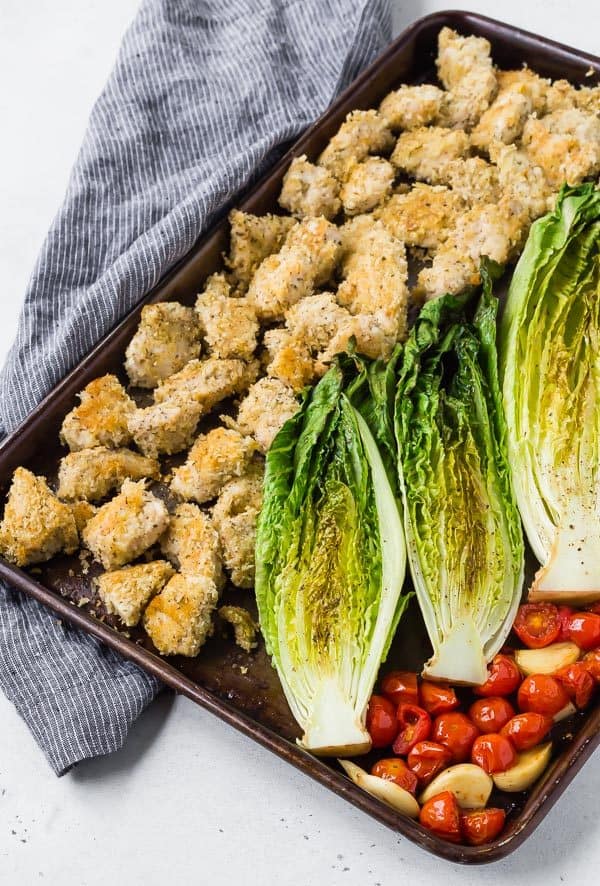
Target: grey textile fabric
(203,94)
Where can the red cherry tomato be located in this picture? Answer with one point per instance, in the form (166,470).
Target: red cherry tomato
(527,730)
(482,826)
(426,759)
(564,616)
(400,686)
(438,698)
(504,677)
(537,624)
(493,752)
(442,816)
(395,769)
(584,629)
(382,723)
(456,732)
(592,662)
(578,682)
(491,714)
(414,724)
(542,694)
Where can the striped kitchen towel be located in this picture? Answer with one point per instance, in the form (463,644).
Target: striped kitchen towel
(203,94)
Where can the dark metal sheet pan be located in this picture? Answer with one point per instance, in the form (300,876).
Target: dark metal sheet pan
(243,689)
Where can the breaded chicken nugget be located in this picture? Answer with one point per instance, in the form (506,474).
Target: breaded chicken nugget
(289,359)
(82,512)
(368,184)
(425,152)
(192,544)
(126,526)
(411,106)
(179,619)
(90,474)
(214,459)
(424,216)
(466,69)
(309,190)
(253,238)
(315,320)
(473,179)
(207,382)
(36,525)
(264,410)
(166,339)
(126,592)
(166,427)
(520,93)
(522,182)
(101,417)
(566,144)
(235,516)
(229,325)
(306,259)
(362,133)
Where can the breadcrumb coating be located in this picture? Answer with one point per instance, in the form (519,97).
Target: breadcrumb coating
(82,512)
(411,106)
(252,239)
(424,153)
(127,591)
(424,216)
(101,417)
(306,260)
(126,526)
(566,144)
(289,359)
(475,180)
(264,410)
(367,184)
(90,474)
(166,427)
(229,325)
(192,544)
(235,516)
(362,133)
(315,320)
(207,382)
(522,182)
(245,628)
(466,69)
(309,190)
(520,93)
(167,337)
(215,458)
(179,619)
(36,525)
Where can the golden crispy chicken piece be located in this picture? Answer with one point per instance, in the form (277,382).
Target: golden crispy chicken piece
(166,339)
(235,516)
(179,619)
(424,216)
(522,182)
(306,259)
(101,417)
(166,427)
(214,459)
(520,93)
(315,320)
(362,133)
(90,474)
(411,106)
(229,325)
(466,69)
(253,238)
(309,190)
(127,591)
(289,359)
(425,152)
(245,628)
(192,545)
(36,525)
(566,144)
(368,184)
(473,179)
(82,512)
(264,410)
(126,526)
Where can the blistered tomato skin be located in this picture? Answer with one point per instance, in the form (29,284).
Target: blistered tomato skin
(482,825)
(527,730)
(491,714)
(542,694)
(584,629)
(504,677)
(592,662)
(537,624)
(493,752)
(414,725)
(426,759)
(394,769)
(438,698)
(578,682)
(382,723)
(441,815)
(456,732)
(564,615)
(400,687)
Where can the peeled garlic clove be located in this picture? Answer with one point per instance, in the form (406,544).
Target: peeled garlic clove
(529,767)
(547,660)
(387,791)
(469,783)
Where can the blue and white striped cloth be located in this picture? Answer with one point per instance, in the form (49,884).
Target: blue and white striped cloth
(202,95)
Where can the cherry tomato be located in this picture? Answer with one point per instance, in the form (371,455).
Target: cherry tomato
(482,826)
(400,686)
(564,615)
(438,698)
(493,752)
(584,629)
(442,816)
(542,694)
(456,732)
(578,682)
(426,759)
(504,677)
(527,730)
(592,662)
(414,724)
(382,722)
(491,714)
(594,607)
(395,769)
(537,624)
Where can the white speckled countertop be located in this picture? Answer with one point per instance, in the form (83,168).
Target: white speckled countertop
(190,801)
